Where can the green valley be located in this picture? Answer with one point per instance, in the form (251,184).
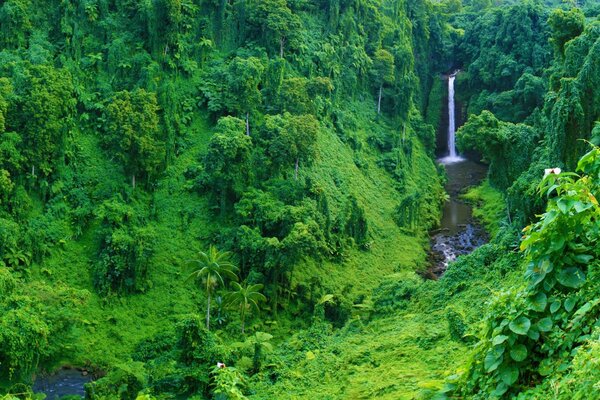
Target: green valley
(259,199)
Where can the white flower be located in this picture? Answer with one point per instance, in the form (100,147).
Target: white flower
(549,171)
(220,365)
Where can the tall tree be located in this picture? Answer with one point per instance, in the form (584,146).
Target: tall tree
(226,160)
(244,77)
(292,137)
(42,114)
(276,21)
(383,72)
(212,269)
(132,130)
(565,25)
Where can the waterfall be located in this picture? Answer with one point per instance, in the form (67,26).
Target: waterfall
(452,155)
(451,121)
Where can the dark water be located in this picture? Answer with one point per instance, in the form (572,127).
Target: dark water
(66,382)
(458,234)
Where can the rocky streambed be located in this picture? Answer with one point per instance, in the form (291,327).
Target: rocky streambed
(459,233)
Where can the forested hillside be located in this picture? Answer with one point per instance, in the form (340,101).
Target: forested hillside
(233,199)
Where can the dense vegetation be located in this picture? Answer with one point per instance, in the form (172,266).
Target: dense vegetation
(211,199)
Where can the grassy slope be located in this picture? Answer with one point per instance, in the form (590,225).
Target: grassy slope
(110,328)
(488,206)
(391,249)
(405,354)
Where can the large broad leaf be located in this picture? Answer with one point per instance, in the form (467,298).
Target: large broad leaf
(520,326)
(545,324)
(555,306)
(533,333)
(583,258)
(492,360)
(499,339)
(565,204)
(518,353)
(571,277)
(501,388)
(539,302)
(509,374)
(570,303)
(537,271)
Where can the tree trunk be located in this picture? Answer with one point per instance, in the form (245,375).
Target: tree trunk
(296,169)
(281,45)
(33,171)
(290,286)
(243,317)
(379,101)
(208,312)
(248,123)
(223,202)
(133,180)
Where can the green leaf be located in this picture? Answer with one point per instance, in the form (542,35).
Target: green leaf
(501,388)
(548,218)
(539,302)
(499,339)
(537,271)
(555,306)
(570,303)
(509,374)
(545,324)
(533,333)
(564,204)
(518,353)
(492,361)
(546,367)
(520,326)
(571,277)
(587,160)
(583,258)
(580,207)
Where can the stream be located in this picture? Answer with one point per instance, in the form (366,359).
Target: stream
(65,382)
(458,233)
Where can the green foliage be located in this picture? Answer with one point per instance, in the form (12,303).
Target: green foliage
(141,80)
(291,138)
(489,206)
(532,332)
(456,325)
(228,384)
(245,299)
(124,382)
(124,259)
(42,112)
(132,132)
(395,294)
(32,327)
(276,22)
(213,267)
(225,163)
(505,146)
(566,25)
(505,51)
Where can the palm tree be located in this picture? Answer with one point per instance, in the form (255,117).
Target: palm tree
(212,268)
(245,298)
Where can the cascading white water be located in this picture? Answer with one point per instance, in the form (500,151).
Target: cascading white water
(452,157)
(451,121)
